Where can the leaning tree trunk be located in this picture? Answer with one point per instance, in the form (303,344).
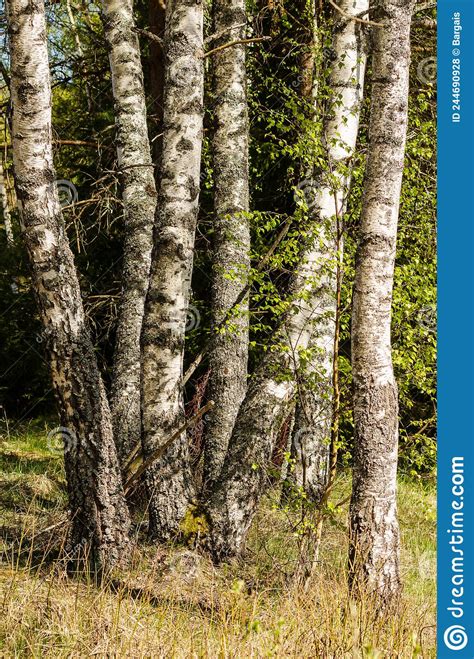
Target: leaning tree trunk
(238,489)
(374,533)
(169,480)
(139,202)
(326,197)
(313,290)
(229,354)
(99,514)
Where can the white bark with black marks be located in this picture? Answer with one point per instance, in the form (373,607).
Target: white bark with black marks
(139,202)
(375,542)
(326,194)
(99,514)
(231,240)
(238,490)
(7,218)
(169,480)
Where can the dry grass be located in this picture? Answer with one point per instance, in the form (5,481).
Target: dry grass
(171,603)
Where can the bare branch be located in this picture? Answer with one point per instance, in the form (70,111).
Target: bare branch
(235,43)
(149,35)
(142,465)
(218,35)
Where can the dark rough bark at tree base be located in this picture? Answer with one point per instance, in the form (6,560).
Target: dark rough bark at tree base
(99,515)
(375,537)
(374,559)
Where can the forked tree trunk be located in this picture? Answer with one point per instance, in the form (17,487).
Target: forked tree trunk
(169,480)
(139,202)
(374,533)
(99,514)
(229,355)
(239,487)
(326,196)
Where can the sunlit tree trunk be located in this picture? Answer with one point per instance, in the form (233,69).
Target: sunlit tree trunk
(326,196)
(99,515)
(228,357)
(374,547)
(238,489)
(168,480)
(139,202)
(7,218)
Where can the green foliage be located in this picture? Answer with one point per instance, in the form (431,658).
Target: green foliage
(285,142)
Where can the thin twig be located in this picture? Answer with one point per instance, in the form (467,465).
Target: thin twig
(156,455)
(218,35)
(150,35)
(236,43)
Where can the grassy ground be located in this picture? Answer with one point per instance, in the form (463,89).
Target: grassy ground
(171,603)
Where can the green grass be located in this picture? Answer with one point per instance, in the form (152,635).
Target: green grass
(160,608)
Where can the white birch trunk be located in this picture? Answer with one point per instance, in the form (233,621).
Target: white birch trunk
(99,514)
(139,202)
(7,218)
(326,195)
(238,489)
(374,551)
(169,480)
(231,259)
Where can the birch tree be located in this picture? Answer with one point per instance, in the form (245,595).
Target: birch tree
(374,547)
(168,480)
(311,313)
(7,218)
(139,202)
(229,354)
(99,514)
(326,195)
